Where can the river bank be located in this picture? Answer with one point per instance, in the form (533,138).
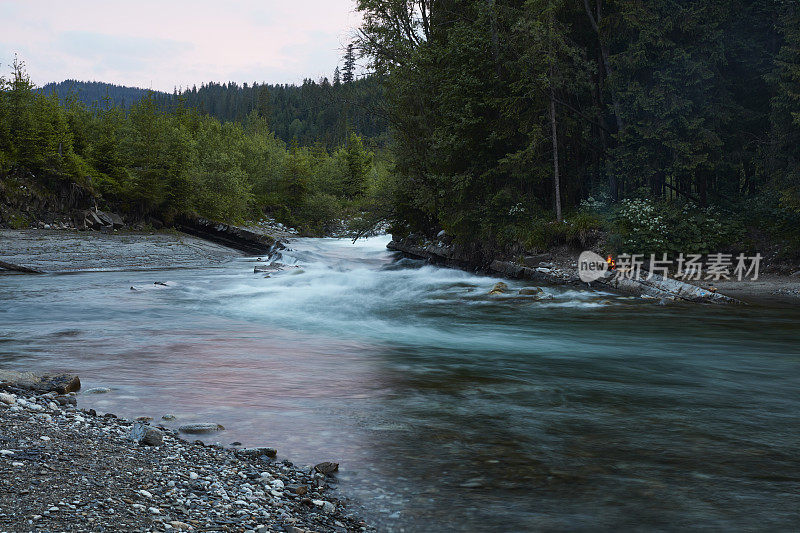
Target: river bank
(560,267)
(65,469)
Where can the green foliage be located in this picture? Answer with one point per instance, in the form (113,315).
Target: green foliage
(152,162)
(673,227)
(313,112)
(663,104)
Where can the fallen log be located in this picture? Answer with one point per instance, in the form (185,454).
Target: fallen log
(60,383)
(19,268)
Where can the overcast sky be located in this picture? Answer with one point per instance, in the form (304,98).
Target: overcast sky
(169,43)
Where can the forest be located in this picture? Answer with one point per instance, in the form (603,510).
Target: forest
(663,125)
(648,126)
(315,112)
(156,161)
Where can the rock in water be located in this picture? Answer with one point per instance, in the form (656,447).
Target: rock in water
(60,383)
(327,468)
(146,436)
(258,452)
(499,288)
(204,427)
(531,291)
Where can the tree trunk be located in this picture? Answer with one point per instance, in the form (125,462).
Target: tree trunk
(553,125)
(556,178)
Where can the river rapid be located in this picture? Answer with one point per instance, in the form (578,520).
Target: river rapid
(448,409)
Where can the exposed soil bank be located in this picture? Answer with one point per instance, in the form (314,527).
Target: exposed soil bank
(64,469)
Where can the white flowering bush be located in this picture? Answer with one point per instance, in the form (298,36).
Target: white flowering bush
(642,226)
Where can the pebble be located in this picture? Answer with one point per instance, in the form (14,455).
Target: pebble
(181,486)
(7,399)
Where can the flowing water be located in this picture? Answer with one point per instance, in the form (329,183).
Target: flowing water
(448,409)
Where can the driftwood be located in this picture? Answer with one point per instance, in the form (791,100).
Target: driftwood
(18,268)
(60,383)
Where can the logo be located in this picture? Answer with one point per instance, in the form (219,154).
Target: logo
(591,266)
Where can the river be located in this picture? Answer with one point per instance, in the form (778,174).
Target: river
(448,409)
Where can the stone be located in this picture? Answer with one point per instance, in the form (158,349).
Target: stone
(534,260)
(168,417)
(201,427)
(499,288)
(7,399)
(300,490)
(326,468)
(146,435)
(258,452)
(60,383)
(531,291)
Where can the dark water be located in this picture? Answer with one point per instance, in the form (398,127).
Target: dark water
(448,409)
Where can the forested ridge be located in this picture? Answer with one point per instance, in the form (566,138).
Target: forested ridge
(315,112)
(666,126)
(161,158)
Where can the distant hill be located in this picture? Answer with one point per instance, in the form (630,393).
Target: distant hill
(90,92)
(311,113)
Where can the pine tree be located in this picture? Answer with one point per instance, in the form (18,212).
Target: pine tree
(337,77)
(348,73)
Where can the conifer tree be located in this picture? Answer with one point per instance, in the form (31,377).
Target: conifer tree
(348,72)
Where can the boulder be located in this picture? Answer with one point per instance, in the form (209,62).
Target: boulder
(7,399)
(116,220)
(531,291)
(146,435)
(499,288)
(92,220)
(259,452)
(326,468)
(533,261)
(60,383)
(202,427)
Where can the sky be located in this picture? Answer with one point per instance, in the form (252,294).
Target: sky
(166,44)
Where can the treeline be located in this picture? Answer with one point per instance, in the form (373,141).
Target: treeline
(96,92)
(152,162)
(315,112)
(507,115)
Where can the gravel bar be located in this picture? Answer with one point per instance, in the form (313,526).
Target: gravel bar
(65,469)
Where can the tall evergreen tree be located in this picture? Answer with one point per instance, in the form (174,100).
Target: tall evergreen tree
(348,72)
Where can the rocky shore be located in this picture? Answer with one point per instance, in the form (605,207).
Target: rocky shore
(66,469)
(552,269)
